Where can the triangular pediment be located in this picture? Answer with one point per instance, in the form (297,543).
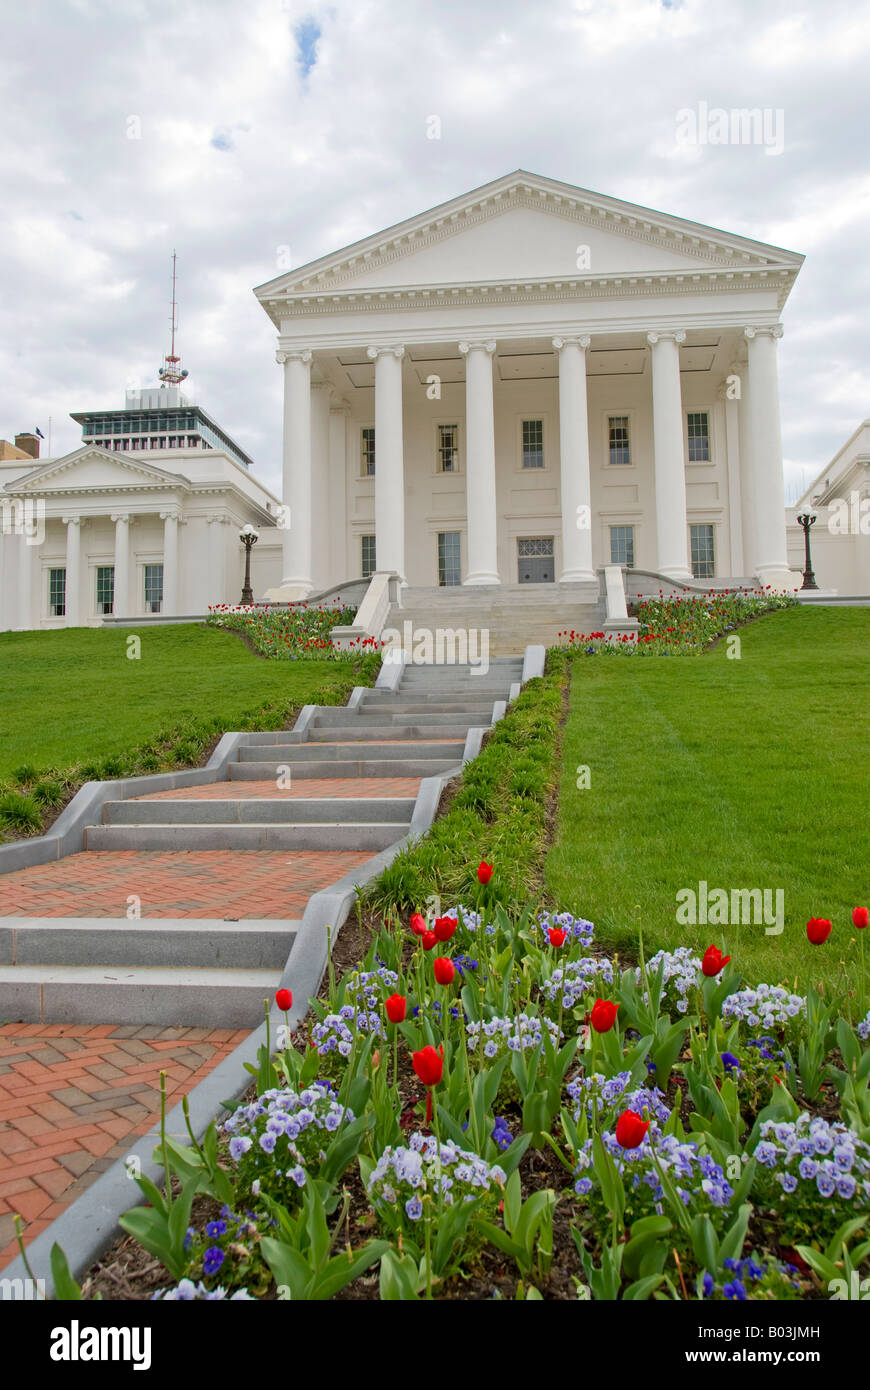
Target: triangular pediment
(91,467)
(525,228)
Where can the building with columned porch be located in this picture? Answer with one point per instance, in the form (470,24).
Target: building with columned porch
(529,382)
(142,520)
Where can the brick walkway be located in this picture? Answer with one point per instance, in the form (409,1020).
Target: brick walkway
(221,884)
(75,1099)
(305,787)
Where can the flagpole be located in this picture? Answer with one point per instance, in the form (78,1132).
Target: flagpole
(49,436)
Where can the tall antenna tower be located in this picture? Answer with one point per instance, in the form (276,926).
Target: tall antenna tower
(171,373)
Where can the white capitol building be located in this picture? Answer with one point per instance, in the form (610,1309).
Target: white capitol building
(520,386)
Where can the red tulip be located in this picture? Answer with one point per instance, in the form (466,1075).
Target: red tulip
(557,936)
(444,927)
(284,1000)
(603,1015)
(713,961)
(429,1064)
(818,930)
(428,940)
(395,1008)
(417,923)
(860,917)
(444,970)
(630,1130)
(484,873)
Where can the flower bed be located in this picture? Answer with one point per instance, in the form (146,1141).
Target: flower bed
(683,623)
(483,1101)
(287,633)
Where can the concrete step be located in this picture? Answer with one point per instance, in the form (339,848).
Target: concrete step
(361,767)
(501,666)
(412,687)
(195,997)
(423,698)
(290,810)
(178,942)
(318,835)
(362,732)
(350,752)
(387,718)
(473,617)
(421,702)
(462,680)
(582,592)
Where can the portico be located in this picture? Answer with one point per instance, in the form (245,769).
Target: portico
(533,380)
(100,534)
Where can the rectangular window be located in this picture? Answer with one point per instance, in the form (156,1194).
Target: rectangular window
(448,558)
(622,546)
(448,448)
(369,556)
(703,558)
(699,436)
(153,588)
(57,593)
(535,560)
(620,446)
(105,588)
(368,451)
(533,444)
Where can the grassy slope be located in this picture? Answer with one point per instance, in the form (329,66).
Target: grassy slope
(68,696)
(746,773)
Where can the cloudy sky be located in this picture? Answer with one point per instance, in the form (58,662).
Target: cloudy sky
(231,131)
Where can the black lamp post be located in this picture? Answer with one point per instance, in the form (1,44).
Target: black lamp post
(806,520)
(249,537)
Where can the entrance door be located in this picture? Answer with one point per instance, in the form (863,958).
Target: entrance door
(535,560)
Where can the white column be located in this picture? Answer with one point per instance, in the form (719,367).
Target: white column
(574,461)
(670,467)
(320,394)
(217,563)
(73,526)
(338,558)
(170,563)
(121,604)
(389,460)
(24,616)
(771,555)
(731,407)
(747,476)
(862,547)
(296,582)
(480,494)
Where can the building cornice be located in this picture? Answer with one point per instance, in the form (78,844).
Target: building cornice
(106,490)
(556,290)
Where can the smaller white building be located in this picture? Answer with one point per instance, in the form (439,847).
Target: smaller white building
(142,519)
(840,536)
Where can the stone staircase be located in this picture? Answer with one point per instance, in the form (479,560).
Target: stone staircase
(68,950)
(514,616)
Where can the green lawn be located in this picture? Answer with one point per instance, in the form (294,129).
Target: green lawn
(70,696)
(748,773)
